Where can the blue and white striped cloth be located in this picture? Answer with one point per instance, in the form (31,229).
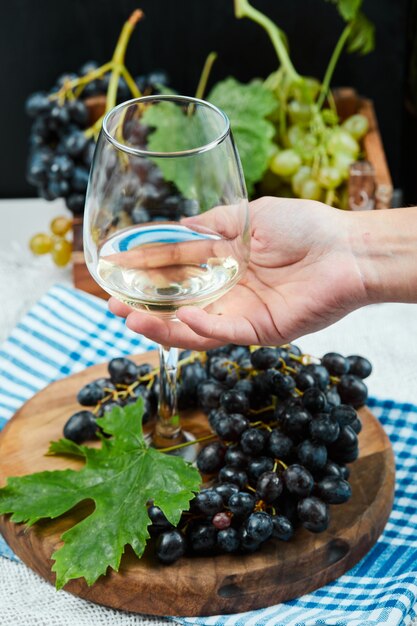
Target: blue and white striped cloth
(69,330)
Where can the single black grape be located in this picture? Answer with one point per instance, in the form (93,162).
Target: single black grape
(282,528)
(61,167)
(298,480)
(230,474)
(244,385)
(236,457)
(122,371)
(304,380)
(312,455)
(281,385)
(246,542)
(234,401)
(37,104)
(208,502)
(324,429)
(320,374)
(202,537)
(352,390)
(333,469)
(259,526)
(295,421)
(279,445)
(344,414)
(211,458)
(313,514)
(75,202)
(226,490)
(335,363)
(90,394)
(253,441)
(79,179)
(219,367)
(356,425)
(228,540)
(334,490)
(105,383)
(215,416)
(264,358)
(347,438)
(333,398)
(231,427)
(170,546)
(208,394)
(158,519)
(269,486)
(80,427)
(258,466)
(314,400)
(359,366)
(241,503)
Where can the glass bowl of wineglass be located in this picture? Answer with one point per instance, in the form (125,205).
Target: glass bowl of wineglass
(161,164)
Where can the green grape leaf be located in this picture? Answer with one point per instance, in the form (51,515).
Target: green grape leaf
(120,478)
(248,107)
(348,9)
(362,36)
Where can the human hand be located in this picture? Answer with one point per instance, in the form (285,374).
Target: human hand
(303,275)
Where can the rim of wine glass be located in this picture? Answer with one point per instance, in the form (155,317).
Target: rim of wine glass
(181,153)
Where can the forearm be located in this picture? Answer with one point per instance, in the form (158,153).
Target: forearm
(385,246)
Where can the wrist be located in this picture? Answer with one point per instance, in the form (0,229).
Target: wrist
(384,244)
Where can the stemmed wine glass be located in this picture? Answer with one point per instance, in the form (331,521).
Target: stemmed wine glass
(161,162)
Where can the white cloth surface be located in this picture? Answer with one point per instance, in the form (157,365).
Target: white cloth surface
(386,334)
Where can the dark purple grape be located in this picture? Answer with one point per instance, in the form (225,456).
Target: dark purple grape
(79,179)
(282,528)
(208,502)
(228,540)
(37,103)
(90,394)
(78,112)
(234,401)
(122,371)
(211,458)
(105,383)
(75,202)
(259,526)
(312,455)
(269,486)
(157,78)
(231,427)
(344,414)
(264,358)
(219,367)
(295,421)
(208,394)
(304,380)
(253,441)
(230,474)
(170,546)
(81,426)
(356,425)
(281,385)
(324,429)
(158,519)
(75,143)
(58,116)
(241,503)
(333,469)
(334,490)
(313,514)
(320,374)
(335,363)
(258,466)
(226,490)
(279,445)
(246,542)
(314,400)
(202,537)
(359,366)
(352,390)
(333,398)
(61,167)
(298,480)
(236,457)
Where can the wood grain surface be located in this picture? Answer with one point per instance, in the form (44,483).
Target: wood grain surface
(198,585)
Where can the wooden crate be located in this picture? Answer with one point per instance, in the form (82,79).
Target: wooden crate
(347,101)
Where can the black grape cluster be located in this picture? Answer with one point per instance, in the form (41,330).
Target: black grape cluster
(60,150)
(127,382)
(285,428)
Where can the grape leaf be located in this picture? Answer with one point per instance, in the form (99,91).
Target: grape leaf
(348,9)
(362,36)
(120,477)
(248,106)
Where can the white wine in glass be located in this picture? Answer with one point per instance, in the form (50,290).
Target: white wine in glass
(166,218)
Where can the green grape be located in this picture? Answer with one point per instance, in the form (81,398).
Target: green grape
(40,243)
(342,161)
(61,251)
(356,125)
(285,163)
(310,190)
(60,225)
(329,177)
(295,136)
(306,91)
(299,177)
(299,112)
(342,141)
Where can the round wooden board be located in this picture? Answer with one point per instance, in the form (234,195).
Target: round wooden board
(201,585)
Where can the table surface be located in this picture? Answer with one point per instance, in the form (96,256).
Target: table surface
(384,333)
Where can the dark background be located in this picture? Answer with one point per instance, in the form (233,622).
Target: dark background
(41,40)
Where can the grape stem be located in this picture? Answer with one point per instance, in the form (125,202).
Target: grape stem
(119,57)
(244,9)
(324,90)
(187,443)
(202,83)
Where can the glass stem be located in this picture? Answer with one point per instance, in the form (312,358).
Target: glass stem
(167,429)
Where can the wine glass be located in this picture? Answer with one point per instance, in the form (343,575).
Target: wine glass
(161,163)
